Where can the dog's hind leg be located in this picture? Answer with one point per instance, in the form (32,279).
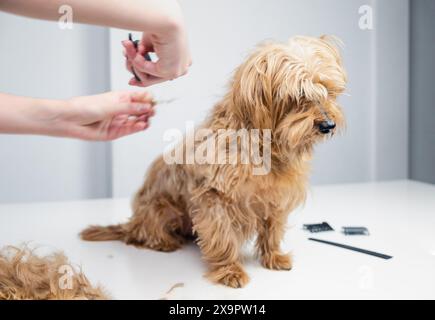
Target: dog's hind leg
(99,233)
(156,225)
(219,242)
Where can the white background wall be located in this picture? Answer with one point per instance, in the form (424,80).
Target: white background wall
(389,123)
(222,33)
(38,59)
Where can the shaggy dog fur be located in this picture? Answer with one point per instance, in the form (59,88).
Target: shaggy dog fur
(287,88)
(26,276)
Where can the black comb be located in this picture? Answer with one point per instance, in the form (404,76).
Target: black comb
(344,246)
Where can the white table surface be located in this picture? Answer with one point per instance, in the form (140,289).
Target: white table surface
(400,216)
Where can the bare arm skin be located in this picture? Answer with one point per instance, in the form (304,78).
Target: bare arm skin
(100,117)
(114,114)
(161,22)
(156,16)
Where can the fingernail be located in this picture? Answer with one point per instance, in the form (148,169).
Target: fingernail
(132,118)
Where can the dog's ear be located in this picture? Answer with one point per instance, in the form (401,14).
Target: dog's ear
(251,90)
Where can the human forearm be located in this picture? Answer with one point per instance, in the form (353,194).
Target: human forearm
(20,115)
(141,15)
(161,23)
(101,117)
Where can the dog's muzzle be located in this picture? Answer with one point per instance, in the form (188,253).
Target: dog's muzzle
(326,126)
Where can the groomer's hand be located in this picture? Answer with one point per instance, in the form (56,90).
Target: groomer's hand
(100,117)
(107,116)
(161,22)
(171,48)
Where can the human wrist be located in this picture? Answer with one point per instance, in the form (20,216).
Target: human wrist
(48,117)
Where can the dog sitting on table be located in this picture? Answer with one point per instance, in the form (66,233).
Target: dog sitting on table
(288,93)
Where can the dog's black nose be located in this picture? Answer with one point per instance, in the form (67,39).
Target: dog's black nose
(326,126)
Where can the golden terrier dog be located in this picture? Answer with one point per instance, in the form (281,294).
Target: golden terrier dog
(287,94)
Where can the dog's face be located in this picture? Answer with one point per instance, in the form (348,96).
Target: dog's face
(291,89)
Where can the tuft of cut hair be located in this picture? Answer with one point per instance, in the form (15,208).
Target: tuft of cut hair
(27,276)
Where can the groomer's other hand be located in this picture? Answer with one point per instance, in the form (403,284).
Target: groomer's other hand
(171,48)
(161,22)
(106,116)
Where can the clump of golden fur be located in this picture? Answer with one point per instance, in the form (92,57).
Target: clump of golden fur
(284,87)
(26,276)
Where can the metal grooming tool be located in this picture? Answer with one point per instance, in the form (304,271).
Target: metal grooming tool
(355,231)
(146,55)
(319,227)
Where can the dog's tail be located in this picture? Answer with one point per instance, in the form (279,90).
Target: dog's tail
(109,233)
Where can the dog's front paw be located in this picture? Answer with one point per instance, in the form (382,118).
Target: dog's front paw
(231,275)
(277,261)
